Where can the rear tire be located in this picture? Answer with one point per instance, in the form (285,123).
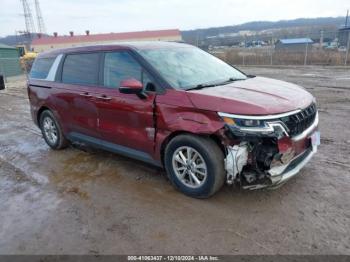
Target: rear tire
(51,131)
(195,165)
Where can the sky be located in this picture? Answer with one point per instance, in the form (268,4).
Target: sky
(104,16)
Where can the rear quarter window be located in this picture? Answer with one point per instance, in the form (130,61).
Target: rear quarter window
(41,67)
(81,69)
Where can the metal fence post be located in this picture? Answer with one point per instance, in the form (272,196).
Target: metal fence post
(271,52)
(347,49)
(306,50)
(271,59)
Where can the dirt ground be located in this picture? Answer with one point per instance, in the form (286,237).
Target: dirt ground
(84,201)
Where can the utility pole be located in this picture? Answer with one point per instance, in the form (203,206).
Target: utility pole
(39,17)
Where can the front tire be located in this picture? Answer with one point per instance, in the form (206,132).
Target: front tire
(52,131)
(195,165)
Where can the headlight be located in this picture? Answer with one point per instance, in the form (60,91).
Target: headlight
(241,122)
(249,124)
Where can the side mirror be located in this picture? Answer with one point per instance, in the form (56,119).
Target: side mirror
(131,86)
(2,82)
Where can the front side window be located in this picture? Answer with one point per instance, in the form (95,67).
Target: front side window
(81,69)
(119,66)
(41,68)
(188,67)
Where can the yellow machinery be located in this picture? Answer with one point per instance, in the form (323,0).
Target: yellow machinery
(26,57)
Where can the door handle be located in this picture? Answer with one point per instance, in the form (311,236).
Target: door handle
(103,97)
(85,95)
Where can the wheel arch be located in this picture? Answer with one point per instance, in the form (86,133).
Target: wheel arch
(174,134)
(40,111)
(55,113)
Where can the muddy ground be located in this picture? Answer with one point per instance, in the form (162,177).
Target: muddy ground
(91,202)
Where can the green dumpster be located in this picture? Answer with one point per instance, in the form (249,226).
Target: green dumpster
(9,61)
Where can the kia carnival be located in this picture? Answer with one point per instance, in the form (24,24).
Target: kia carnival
(175,106)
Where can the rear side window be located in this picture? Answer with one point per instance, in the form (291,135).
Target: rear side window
(120,66)
(81,69)
(41,67)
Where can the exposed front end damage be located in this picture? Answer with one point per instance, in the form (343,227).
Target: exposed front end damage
(270,151)
(236,159)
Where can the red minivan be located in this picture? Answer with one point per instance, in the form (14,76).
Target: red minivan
(178,107)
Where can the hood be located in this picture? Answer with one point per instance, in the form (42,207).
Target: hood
(254,96)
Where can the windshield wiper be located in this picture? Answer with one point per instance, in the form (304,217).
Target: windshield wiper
(201,86)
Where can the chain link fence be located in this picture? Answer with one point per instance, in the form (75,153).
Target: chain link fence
(330,51)
(269,56)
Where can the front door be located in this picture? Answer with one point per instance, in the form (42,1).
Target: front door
(126,120)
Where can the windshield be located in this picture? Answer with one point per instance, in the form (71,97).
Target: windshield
(190,67)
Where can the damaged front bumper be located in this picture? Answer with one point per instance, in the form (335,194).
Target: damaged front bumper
(281,174)
(288,155)
(276,175)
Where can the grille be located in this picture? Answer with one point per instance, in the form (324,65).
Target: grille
(299,122)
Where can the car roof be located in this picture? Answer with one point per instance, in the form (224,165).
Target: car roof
(140,45)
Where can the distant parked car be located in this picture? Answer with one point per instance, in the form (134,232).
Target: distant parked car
(342,49)
(175,106)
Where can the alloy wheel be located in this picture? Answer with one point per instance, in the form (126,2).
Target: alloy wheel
(50,130)
(189,167)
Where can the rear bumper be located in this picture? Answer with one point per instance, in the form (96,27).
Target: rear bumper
(281,174)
